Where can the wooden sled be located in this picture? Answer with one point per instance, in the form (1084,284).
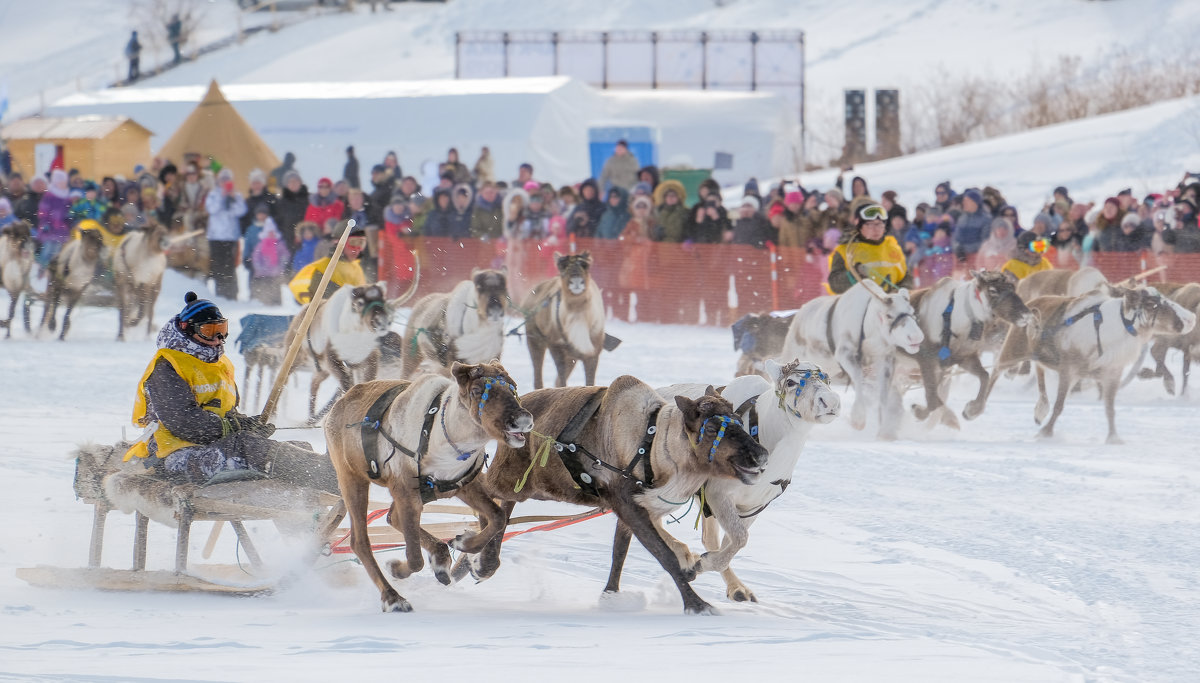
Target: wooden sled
(102,481)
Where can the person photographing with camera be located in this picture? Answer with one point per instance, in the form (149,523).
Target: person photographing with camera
(187,401)
(868,254)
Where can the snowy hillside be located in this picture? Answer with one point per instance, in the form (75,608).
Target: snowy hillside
(76,44)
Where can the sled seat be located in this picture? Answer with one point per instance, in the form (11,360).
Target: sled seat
(103,481)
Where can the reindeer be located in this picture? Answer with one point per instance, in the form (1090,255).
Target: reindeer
(565,315)
(188,251)
(759,336)
(138,264)
(779,413)
(344,337)
(626,449)
(1060,283)
(1094,335)
(70,274)
(1187,296)
(260,341)
(954,316)
(16,261)
(859,331)
(478,404)
(465,325)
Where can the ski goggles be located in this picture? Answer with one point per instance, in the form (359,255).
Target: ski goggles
(212,330)
(1038,246)
(872,212)
(357,242)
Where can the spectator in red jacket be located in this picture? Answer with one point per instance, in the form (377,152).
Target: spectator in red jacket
(324,208)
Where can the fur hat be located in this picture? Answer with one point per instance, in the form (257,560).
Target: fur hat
(257,174)
(752,201)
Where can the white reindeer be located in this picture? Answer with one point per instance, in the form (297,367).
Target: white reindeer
(859,331)
(138,266)
(779,413)
(16,261)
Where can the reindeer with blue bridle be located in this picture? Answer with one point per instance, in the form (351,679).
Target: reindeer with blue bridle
(779,413)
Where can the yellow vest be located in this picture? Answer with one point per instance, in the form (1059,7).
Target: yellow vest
(111,241)
(346,273)
(1022,269)
(884,261)
(209,382)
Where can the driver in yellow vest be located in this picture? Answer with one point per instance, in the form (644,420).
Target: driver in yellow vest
(1028,256)
(347,272)
(187,401)
(869,253)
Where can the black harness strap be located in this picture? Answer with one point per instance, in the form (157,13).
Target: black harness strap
(371,429)
(944,351)
(829,328)
(567,448)
(1097,320)
(643,452)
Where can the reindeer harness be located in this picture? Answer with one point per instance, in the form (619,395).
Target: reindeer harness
(976,327)
(371,427)
(1097,320)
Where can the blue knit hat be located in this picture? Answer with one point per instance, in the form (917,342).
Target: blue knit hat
(197,310)
(974,196)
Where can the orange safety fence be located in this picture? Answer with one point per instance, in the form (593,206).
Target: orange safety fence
(688,284)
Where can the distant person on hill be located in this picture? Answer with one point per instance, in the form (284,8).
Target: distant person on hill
(350,170)
(133,52)
(175,36)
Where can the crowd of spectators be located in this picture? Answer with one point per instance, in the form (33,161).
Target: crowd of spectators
(280,225)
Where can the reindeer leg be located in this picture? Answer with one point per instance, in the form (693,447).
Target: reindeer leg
(12,312)
(27,305)
(854,373)
(972,365)
(736,536)
(439,557)
(889,402)
(491,522)
(122,302)
(485,564)
(1064,387)
(589,369)
(355,494)
(931,378)
(638,519)
(405,517)
(563,363)
(1108,387)
(72,299)
(1187,369)
(735,589)
(620,549)
(1168,378)
(537,354)
(319,375)
(1043,402)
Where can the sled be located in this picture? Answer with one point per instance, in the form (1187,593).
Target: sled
(102,481)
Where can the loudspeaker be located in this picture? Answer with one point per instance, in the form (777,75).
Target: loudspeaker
(856,127)
(887,123)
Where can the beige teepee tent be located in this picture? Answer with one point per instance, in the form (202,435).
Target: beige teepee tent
(215,129)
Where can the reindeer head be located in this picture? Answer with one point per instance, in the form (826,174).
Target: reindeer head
(92,245)
(999,291)
(19,233)
(490,395)
(575,272)
(1148,310)
(803,391)
(717,436)
(369,303)
(760,335)
(897,316)
(491,293)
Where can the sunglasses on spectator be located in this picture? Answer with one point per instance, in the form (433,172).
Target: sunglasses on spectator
(940,192)
(872,212)
(1038,246)
(212,331)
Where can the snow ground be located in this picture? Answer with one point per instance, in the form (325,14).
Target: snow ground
(983,555)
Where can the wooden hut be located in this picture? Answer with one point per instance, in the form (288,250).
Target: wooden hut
(96,145)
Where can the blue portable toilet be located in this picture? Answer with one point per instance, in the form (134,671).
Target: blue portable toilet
(602,140)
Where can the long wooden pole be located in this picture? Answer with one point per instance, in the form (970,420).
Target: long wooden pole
(310,311)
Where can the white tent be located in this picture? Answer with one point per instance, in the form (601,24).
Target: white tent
(543,121)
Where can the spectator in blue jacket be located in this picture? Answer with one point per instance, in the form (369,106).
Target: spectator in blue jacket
(973,225)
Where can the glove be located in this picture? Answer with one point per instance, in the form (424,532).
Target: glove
(862,272)
(252,424)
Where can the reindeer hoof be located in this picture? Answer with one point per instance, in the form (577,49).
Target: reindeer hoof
(396,604)
(700,607)
(920,412)
(1114,440)
(689,573)
(972,410)
(460,541)
(742,594)
(1169,383)
(399,569)
(1146,373)
(1045,432)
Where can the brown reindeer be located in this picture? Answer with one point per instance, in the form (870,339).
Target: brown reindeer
(954,315)
(392,440)
(1095,335)
(1060,283)
(345,335)
(565,315)
(138,265)
(465,324)
(70,274)
(596,461)
(760,337)
(16,261)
